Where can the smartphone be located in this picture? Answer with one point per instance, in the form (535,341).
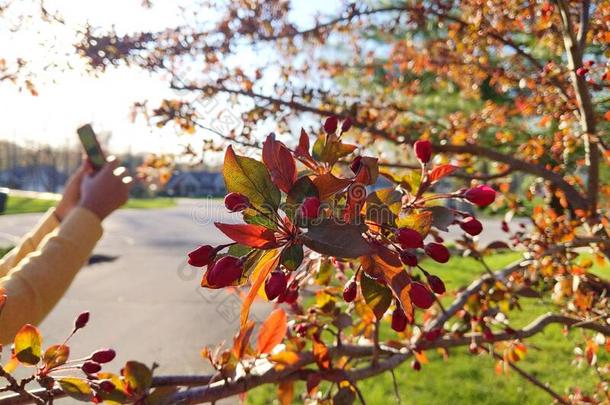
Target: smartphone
(92,146)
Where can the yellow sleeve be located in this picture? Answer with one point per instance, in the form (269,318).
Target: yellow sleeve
(30,242)
(37,282)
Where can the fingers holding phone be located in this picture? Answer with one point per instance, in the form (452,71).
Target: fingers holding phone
(106,185)
(107,189)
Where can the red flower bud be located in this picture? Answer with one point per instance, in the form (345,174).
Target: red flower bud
(275,285)
(236,202)
(590,63)
(488,334)
(423,150)
(346,125)
(437,252)
(310,208)
(433,334)
(409,238)
(473,348)
(107,386)
(505,227)
(90,367)
(356,164)
(408,258)
(436,284)
(330,125)
(581,71)
(416,365)
(420,295)
(399,319)
(481,195)
(81,320)
(471,226)
(103,356)
(291,295)
(350,291)
(225,271)
(202,256)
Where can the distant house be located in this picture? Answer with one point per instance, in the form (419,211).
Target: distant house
(35,178)
(195,184)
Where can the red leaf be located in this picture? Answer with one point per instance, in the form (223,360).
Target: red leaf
(280,163)
(302,150)
(272,331)
(441,171)
(255,236)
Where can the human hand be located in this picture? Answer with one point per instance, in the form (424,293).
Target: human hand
(106,190)
(71,195)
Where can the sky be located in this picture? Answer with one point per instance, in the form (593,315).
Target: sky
(69,98)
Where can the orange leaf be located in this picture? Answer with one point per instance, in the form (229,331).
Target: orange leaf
(272,331)
(328,184)
(265,265)
(321,355)
(441,171)
(284,358)
(421,357)
(387,264)
(280,163)
(255,236)
(285,392)
(242,340)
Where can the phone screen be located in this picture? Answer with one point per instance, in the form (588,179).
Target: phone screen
(92,147)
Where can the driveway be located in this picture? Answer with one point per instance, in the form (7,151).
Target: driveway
(147,303)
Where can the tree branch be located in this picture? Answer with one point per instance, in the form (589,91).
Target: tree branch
(573,196)
(574,51)
(533,380)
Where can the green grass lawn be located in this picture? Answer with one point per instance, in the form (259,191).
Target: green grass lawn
(468,379)
(22,205)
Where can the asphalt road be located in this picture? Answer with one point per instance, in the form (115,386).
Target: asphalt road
(147,303)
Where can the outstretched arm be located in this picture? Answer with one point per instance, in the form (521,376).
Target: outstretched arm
(37,282)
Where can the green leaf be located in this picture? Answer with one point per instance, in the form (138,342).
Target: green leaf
(238,250)
(254,218)
(76,388)
(329,149)
(301,189)
(378,297)
(250,177)
(137,376)
(338,240)
(292,257)
(56,355)
(325,272)
(383,206)
(442,217)
(28,345)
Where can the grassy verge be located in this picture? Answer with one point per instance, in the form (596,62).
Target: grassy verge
(467,379)
(23,205)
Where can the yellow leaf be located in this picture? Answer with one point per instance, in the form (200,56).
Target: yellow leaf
(265,265)
(28,345)
(421,222)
